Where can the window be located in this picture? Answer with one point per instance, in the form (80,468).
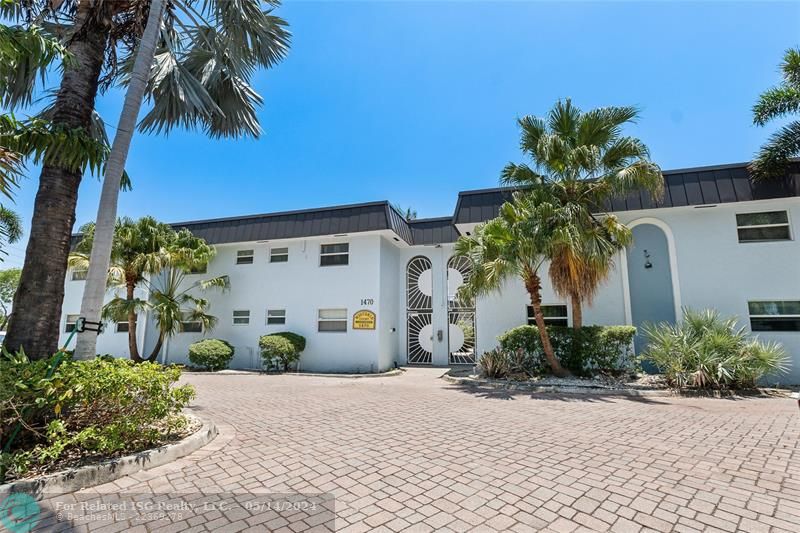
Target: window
(781,315)
(191,326)
(554,315)
(276,316)
(241,318)
(766,226)
(79,274)
(199,269)
(244,257)
(279,255)
(332,320)
(334,254)
(122,327)
(69,327)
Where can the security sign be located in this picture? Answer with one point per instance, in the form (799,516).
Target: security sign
(364,319)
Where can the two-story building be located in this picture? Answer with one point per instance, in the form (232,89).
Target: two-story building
(370,289)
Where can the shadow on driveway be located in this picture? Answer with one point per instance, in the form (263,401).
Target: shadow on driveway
(494,393)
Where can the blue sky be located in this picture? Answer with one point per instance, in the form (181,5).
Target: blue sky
(414,101)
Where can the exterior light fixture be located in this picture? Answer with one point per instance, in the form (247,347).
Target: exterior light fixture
(647,263)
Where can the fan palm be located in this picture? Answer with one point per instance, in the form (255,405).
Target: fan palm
(173,301)
(139,250)
(515,244)
(142,251)
(580,162)
(206,55)
(773,158)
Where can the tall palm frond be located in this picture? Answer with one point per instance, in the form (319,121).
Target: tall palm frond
(25,55)
(772,161)
(203,64)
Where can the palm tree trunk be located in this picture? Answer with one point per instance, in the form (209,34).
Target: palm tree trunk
(133,347)
(36,315)
(100,258)
(577,312)
(156,348)
(533,284)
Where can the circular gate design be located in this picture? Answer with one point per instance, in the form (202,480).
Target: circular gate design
(460,314)
(419,310)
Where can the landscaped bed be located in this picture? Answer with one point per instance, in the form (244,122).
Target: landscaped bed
(59,414)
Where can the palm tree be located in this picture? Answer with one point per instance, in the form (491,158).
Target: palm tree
(773,158)
(25,54)
(139,251)
(147,254)
(100,257)
(515,244)
(206,55)
(580,162)
(174,301)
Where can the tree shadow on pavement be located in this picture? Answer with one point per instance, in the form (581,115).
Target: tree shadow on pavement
(495,393)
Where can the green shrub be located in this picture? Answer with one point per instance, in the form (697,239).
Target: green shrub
(706,350)
(99,407)
(277,352)
(213,354)
(587,351)
(298,341)
(494,364)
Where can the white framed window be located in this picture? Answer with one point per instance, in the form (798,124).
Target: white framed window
(554,315)
(334,254)
(774,315)
(332,320)
(276,317)
(244,257)
(241,317)
(279,255)
(122,327)
(764,226)
(79,274)
(191,326)
(69,325)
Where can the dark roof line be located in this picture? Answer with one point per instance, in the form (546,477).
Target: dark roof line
(283,213)
(683,187)
(429,219)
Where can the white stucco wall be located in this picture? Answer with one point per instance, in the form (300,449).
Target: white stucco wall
(716,270)
(301,287)
(390,321)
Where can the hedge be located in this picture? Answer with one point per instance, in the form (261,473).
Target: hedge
(281,350)
(213,354)
(583,352)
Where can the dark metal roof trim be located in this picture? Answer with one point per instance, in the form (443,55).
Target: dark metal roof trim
(432,231)
(354,218)
(709,185)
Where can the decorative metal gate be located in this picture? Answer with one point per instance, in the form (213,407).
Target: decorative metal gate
(419,310)
(461,316)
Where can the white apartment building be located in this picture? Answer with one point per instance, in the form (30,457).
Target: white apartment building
(370,290)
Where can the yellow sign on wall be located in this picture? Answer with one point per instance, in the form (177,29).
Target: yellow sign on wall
(364,319)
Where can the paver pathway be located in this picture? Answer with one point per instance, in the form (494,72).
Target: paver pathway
(414,453)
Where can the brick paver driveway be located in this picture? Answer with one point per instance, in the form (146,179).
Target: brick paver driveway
(414,453)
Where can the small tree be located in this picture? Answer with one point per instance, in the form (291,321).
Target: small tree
(515,244)
(150,255)
(772,160)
